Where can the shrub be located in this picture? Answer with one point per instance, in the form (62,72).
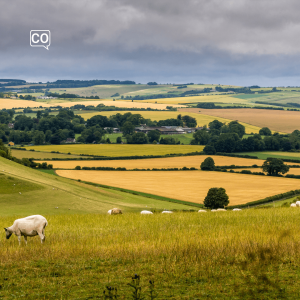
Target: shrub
(208,164)
(77,168)
(216,198)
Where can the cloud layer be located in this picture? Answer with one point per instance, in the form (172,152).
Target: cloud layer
(233,41)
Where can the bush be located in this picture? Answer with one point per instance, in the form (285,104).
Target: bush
(216,198)
(208,164)
(77,168)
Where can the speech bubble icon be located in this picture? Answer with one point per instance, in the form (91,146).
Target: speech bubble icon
(40,38)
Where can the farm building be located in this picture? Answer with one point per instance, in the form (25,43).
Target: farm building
(11,144)
(11,125)
(166,129)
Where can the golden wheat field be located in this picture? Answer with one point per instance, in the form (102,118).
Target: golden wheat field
(119,150)
(202,119)
(12,103)
(39,155)
(165,162)
(189,186)
(276,120)
(119,104)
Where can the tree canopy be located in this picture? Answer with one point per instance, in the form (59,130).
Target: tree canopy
(275,166)
(216,198)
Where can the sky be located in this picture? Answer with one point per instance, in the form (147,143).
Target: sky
(238,42)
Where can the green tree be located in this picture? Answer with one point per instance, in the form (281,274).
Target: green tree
(274,166)
(265,131)
(119,140)
(201,137)
(209,150)
(215,124)
(38,137)
(137,138)
(216,198)
(236,127)
(208,164)
(127,128)
(153,135)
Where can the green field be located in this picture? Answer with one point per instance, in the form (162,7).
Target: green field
(119,150)
(276,154)
(39,155)
(42,192)
(252,254)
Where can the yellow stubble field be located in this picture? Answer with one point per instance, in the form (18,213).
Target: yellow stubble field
(165,162)
(189,186)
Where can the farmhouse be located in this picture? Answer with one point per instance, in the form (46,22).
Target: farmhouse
(166,129)
(11,144)
(11,125)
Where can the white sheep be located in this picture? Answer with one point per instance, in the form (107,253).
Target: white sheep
(201,210)
(293,205)
(221,209)
(146,212)
(213,210)
(166,212)
(236,209)
(115,211)
(298,203)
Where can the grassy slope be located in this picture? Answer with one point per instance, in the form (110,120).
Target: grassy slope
(70,196)
(276,154)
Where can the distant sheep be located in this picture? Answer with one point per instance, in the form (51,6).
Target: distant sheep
(221,209)
(201,210)
(167,212)
(236,209)
(293,205)
(213,210)
(298,203)
(115,211)
(146,212)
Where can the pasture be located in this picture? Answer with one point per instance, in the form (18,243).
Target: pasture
(276,154)
(165,162)
(251,254)
(114,150)
(39,155)
(276,120)
(191,186)
(24,191)
(202,119)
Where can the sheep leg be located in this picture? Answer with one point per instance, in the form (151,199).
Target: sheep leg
(25,239)
(19,239)
(42,237)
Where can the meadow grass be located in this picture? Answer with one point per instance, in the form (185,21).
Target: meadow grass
(251,254)
(114,150)
(40,155)
(275,154)
(191,186)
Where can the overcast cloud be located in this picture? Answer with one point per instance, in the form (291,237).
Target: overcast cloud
(211,41)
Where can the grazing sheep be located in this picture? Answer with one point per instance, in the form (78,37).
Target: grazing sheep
(166,212)
(221,209)
(115,211)
(146,212)
(29,226)
(213,210)
(293,205)
(236,209)
(298,203)
(201,210)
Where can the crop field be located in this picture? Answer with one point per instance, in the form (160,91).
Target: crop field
(276,120)
(119,150)
(39,155)
(191,186)
(187,255)
(12,103)
(276,154)
(24,191)
(202,119)
(165,162)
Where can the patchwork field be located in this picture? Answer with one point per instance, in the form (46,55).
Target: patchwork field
(191,186)
(276,120)
(119,150)
(165,162)
(24,191)
(202,119)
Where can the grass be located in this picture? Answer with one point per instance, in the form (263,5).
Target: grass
(119,150)
(42,192)
(191,186)
(165,162)
(252,254)
(275,154)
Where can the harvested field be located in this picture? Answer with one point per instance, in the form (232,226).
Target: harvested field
(276,120)
(202,119)
(11,103)
(189,186)
(118,104)
(113,150)
(40,155)
(168,162)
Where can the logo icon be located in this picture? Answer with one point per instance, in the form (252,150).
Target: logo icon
(40,38)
